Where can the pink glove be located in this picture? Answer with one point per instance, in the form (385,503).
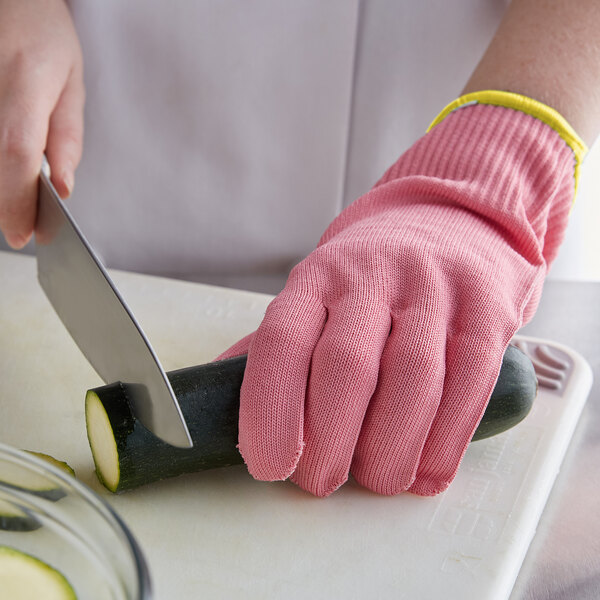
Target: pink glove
(381,352)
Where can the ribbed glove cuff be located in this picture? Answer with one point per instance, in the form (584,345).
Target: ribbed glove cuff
(529,106)
(510,168)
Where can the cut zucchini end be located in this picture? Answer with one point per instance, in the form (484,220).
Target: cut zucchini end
(102,442)
(23,576)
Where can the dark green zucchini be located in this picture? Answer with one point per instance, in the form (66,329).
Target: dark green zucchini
(127,455)
(513,395)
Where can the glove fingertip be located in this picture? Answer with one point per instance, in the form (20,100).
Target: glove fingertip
(427,486)
(384,481)
(318,485)
(265,466)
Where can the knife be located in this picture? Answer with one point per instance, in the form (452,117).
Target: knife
(98,319)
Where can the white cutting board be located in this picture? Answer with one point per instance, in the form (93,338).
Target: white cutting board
(220,534)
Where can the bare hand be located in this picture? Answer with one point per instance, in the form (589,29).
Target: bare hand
(41,107)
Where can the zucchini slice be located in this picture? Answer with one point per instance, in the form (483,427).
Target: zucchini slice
(23,577)
(16,518)
(32,482)
(60,464)
(126,455)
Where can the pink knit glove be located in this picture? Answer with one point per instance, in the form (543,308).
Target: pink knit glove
(381,352)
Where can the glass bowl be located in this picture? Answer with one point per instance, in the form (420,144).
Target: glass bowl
(50,515)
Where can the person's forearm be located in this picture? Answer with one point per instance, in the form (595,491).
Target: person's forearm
(548,50)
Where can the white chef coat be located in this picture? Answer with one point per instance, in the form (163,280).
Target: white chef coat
(222,137)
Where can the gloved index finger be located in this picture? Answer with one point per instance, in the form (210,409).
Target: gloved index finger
(274,387)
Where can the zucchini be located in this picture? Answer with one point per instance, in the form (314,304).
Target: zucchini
(513,395)
(33,482)
(16,518)
(126,455)
(23,576)
(59,464)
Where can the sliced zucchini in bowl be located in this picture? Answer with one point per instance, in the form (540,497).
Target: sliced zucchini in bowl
(24,577)
(16,518)
(34,482)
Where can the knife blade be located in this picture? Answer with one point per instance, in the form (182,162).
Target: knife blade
(98,318)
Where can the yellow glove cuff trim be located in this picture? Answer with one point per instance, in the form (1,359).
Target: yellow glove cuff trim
(532,107)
